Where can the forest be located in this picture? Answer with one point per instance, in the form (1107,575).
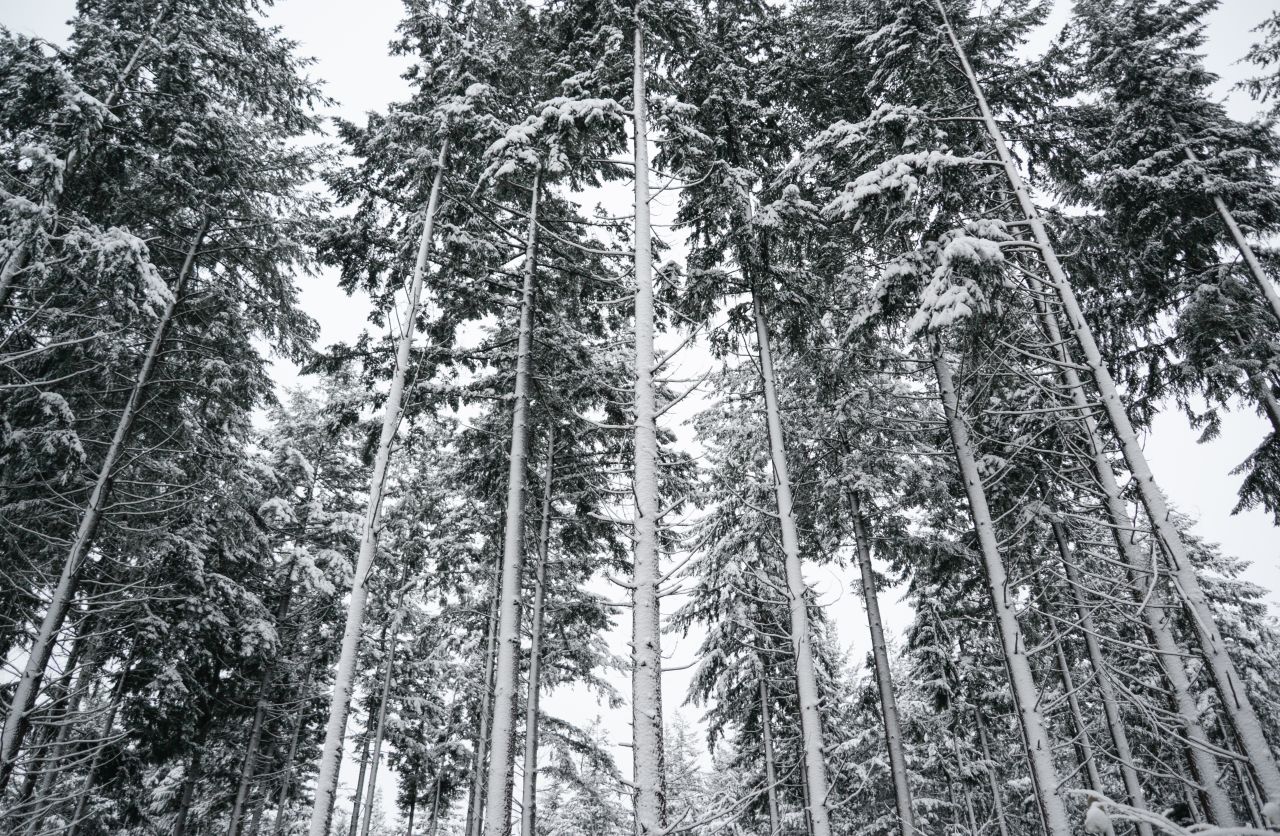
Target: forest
(921,296)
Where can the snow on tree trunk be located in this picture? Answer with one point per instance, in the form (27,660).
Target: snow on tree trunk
(646,635)
(815,766)
(24,695)
(344,680)
(502,734)
(1153,605)
(1270,405)
(770,768)
(1102,679)
(529,792)
(1039,748)
(1235,699)
(884,677)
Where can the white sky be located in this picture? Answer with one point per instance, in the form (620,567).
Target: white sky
(349,39)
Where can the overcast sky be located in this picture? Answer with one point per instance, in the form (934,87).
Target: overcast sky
(348,40)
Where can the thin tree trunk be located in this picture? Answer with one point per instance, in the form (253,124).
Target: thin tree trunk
(646,636)
(996,800)
(1193,799)
(770,768)
(435,809)
(24,695)
(1110,704)
(413,807)
(815,772)
(1084,747)
(188,793)
(529,795)
(962,763)
(91,774)
(1199,750)
(380,729)
(1153,605)
(344,680)
(195,769)
(58,751)
(884,677)
(286,776)
(502,733)
(357,797)
(45,754)
(475,809)
(249,765)
(1235,699)
(1039,747)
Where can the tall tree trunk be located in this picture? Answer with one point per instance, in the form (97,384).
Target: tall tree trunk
(1084,747)
(357,797)
(24,695)
(962,763)
(435,809)
(801,642)
(255,821)
(286,775)
(259,715)
(1106,689)
(770,763)
(1035,735)
(479,767)
(815,767)
(91,774)
(997,801)
(884,677)
(1153,605)
(646,635)
(380,729)
(529,794)
(188,793)
(42,756)
(344,680)
(1231,690)
(39,785)
(413,807)
(502,734)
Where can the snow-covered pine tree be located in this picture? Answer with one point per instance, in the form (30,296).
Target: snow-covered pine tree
(1168,181)
(182,372)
